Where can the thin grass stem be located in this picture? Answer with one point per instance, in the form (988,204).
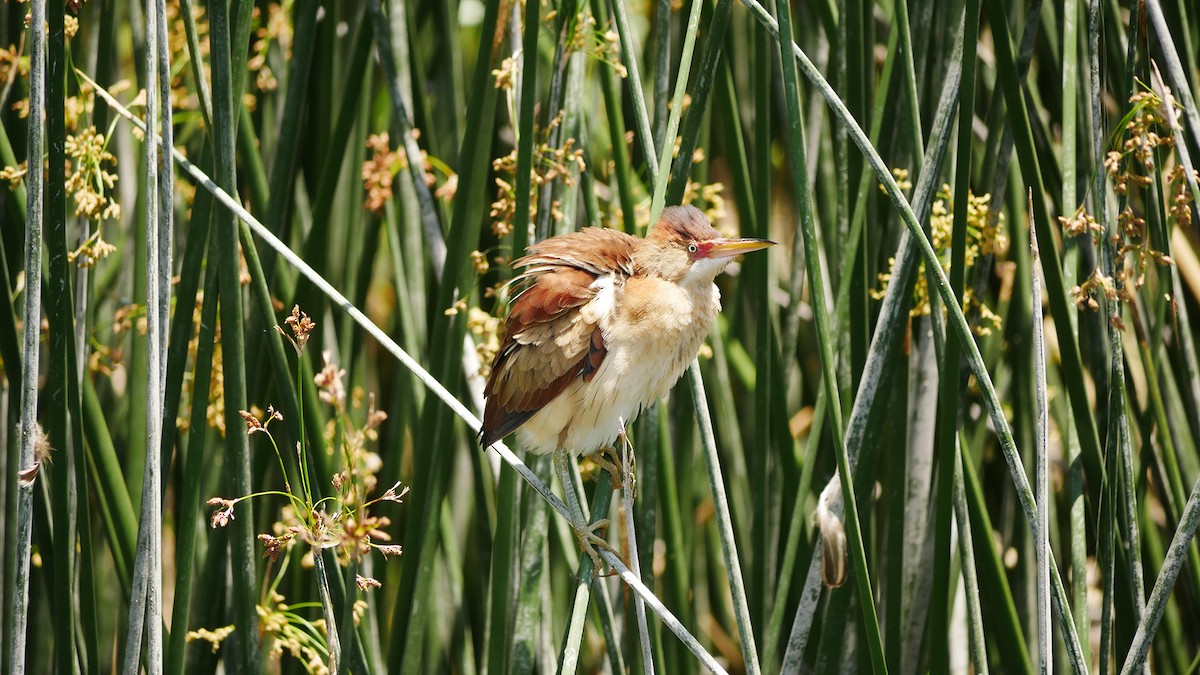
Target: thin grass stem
(1042,452)
(639,605)
(29,465)
(226,89)
(188,516)
(966,548)
(681,80)
(641,119)
(60,378)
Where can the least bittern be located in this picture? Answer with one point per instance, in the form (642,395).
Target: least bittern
(601,325)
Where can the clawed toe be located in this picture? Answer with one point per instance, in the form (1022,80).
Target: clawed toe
(590,540)
(608,460)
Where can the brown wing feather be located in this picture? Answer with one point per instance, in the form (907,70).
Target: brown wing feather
(592,249)
(548,341)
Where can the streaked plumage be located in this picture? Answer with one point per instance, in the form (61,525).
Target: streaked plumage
(601,325)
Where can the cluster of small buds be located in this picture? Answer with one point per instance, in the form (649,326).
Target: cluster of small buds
(129,317)
(361,532)
(586,38)
(375,418)
(183,94)
(485,328)
(89,182)
(302,327)
(988,322)
(70,22)
(224,515)
(503,209)
(91,251)
(302,642)
(1095,285)
(330,387)
(448,189)
(358,477)
(985,233)
(277,28)
(549,164)
(215,411)
(366,583)
(1132,168)
(985,237)
(556,162)
(706,197)
(500,288)
(605,46)
(1180,210)
(273,546)
(1080,223)
(902,181)
(12,65)
(379,170)
(213,637)
(253,425)
(479,262)
(13,174)
(505,77)
(105,360)
(1141,138)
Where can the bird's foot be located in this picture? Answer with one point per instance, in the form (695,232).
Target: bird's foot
(610,461)
(590,541)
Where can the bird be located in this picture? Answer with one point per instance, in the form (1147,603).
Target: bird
(600,325)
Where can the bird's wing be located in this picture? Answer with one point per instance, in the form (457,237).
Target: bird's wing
(552,334)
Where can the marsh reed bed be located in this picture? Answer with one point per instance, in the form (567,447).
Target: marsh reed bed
(257,279)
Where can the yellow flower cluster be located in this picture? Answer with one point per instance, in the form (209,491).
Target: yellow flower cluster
(707,198)
(985,237)
(1133,168)
(90,182)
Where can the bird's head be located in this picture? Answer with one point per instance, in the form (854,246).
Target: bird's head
(684,248)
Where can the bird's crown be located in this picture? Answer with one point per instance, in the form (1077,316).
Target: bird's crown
(682,224)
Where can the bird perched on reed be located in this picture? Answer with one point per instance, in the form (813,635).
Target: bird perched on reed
(600,325)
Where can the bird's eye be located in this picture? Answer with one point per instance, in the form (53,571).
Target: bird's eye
(692,248)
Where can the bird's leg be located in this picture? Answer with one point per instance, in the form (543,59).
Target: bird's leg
(586,532)
(628,462)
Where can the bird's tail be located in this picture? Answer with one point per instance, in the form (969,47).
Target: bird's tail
(502,425)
